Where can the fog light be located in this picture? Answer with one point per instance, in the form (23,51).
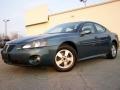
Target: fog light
(34,60)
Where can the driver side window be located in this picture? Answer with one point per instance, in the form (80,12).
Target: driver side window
(88,26)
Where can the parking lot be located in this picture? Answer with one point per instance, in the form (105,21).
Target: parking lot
(94,74)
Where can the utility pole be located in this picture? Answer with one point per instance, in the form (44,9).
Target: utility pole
(5,22)
(84,1)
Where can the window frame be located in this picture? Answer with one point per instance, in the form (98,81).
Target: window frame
(100,26)
(91,25)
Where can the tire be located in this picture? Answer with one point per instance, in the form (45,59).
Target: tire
(113,52)
(65,58)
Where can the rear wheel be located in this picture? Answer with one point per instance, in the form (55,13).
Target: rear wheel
(113,52)
(65,58)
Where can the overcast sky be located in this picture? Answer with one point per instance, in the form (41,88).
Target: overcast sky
(15,10)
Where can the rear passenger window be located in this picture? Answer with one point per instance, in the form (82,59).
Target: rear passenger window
(88,26)
(99,28)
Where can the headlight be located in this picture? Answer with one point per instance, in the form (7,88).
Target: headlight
(35,44)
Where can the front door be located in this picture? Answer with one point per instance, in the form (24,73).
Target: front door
(87,43)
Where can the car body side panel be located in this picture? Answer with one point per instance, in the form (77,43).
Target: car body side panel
(103,42)
(114,37)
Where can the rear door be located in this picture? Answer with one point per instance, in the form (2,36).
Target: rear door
(102,37)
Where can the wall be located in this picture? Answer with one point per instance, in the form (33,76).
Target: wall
(107,14)
(37,15)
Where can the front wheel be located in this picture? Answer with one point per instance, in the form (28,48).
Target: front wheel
(65,58)
(113,52)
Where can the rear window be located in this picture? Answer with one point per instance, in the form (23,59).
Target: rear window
(99,28)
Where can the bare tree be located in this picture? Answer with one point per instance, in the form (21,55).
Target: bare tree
(3,37)
(10,36)
(0,37)
(15,36)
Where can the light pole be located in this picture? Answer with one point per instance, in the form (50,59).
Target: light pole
(84,1)
(5,21)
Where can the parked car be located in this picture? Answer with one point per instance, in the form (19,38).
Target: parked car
(63,45)
(3,42)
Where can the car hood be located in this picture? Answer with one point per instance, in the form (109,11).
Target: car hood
(38,37)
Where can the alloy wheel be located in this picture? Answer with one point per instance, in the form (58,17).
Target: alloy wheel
(113,50)
(64,59)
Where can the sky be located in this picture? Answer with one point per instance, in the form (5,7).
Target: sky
(15,10)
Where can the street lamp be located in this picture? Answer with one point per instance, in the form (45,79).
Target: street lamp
(5,21)
(84,1)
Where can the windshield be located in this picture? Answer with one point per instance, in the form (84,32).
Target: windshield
(71,27)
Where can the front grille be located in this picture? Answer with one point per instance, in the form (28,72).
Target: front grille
(8,48)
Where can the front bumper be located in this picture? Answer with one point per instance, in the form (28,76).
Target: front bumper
(22,56)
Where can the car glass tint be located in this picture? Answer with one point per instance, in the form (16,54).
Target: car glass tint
(71,27)
(99,28)
(88,26)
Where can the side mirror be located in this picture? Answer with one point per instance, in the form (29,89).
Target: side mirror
(87,31)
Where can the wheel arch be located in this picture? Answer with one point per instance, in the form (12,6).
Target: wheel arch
(70,43)
(115,42)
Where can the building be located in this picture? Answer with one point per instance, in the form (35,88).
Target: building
(108,14)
